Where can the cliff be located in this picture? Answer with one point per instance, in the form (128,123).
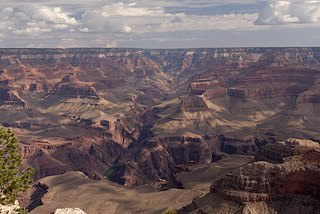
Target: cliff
(264,187)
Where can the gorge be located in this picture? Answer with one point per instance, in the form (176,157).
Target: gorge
(141,117)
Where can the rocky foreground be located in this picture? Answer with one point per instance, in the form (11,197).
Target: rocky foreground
(283,177)
(290,184)
(75,190)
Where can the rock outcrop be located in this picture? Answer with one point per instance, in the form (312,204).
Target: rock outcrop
(264,181)
(264,187)
(76,91)
(193,104)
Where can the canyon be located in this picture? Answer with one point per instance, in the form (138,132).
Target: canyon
(143,117)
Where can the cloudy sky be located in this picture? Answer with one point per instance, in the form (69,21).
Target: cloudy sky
(159,23)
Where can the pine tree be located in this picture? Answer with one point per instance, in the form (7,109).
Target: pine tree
(13,178)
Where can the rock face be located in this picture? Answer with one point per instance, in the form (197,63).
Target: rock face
(264,187)
(75,91)
(263,181)
(132,115)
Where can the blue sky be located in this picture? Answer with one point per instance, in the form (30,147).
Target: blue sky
(159,24)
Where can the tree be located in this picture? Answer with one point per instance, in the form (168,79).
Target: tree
(13,178)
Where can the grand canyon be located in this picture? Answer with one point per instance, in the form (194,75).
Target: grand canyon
(208,130)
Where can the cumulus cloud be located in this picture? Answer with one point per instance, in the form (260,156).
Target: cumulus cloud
(100,22)
(137,19)
(123,18)
(288,12)
(34,20)
(87,22)
(52,15)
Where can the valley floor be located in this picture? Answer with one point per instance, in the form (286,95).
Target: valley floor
(75,190)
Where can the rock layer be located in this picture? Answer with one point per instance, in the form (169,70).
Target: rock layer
(264,187)
(263,181)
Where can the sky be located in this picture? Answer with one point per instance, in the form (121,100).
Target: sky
(159,23)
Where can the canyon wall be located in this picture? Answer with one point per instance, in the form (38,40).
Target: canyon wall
(287,183)
(132,115)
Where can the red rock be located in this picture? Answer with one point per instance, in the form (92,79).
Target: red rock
(264,181)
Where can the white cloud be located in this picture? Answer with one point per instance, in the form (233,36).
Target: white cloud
(130,9)
(288,12)
(85,30)
(218,22)
(92,4)
(34,20)
(53,15)
(111,44)
(60,26)
(24,22)
(32,30)
(89,21)
(137,19)
(126,29)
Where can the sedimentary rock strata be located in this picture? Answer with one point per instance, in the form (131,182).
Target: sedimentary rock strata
(128,110)
(265,187)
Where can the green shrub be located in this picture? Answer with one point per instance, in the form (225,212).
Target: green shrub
(106,174)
